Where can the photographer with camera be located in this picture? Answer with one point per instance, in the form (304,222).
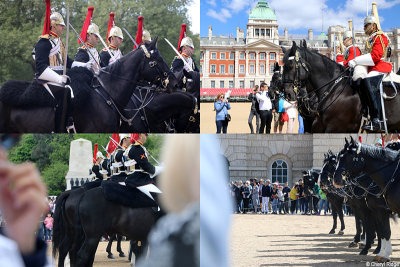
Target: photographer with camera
(222,117)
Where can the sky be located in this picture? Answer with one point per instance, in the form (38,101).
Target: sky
(194,16)
(297,15)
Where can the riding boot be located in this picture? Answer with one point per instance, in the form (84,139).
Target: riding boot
(371,86)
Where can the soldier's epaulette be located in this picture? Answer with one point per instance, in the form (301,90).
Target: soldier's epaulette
(82,47)
(104,49)
(46,36)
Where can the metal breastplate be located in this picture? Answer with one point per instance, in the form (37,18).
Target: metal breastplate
(94,52)
(56,59)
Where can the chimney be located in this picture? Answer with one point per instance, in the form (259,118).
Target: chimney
(209,32)
(286,37)
(310,35)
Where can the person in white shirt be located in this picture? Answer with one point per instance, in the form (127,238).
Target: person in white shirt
(265,104)
(291,109)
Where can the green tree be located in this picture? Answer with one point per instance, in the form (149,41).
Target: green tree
(54,177)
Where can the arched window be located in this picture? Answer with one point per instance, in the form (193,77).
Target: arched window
(279,171)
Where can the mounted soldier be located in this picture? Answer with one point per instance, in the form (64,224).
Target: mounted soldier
(349,50)
(100,168)
(118,160)
(114,38)
(49,56)
(87,55)
(371,67)
(186,49)
(140,171)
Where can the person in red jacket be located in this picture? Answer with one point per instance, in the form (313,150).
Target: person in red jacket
(349,52)
(339,56)
(370,68)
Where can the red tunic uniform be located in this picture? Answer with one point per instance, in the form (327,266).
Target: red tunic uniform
(349,55)
(339,58)
(378,43)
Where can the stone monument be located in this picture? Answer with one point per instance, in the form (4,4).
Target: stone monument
(80,162)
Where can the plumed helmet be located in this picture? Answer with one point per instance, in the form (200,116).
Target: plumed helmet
(347,34)
(122,137)
(116,32)
(369,19)
(146,36)
(93,28)
(56,19)
(187,41)
(99,155)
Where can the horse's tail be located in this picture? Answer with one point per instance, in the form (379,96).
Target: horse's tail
(79,233)
(59,220)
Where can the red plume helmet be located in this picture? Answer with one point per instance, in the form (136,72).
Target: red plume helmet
(139,34)
(87,23)
(183,35)
(111,23)
(46,28)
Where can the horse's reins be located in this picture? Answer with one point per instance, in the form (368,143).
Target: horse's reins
(111,102)
(298,64)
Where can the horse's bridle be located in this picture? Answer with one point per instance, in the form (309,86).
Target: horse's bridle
(297,82)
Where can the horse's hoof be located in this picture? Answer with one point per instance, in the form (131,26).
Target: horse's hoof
(353,245)
(364,252)
(361,246)
(340,232)
(376,251)
(121,254)
(376,258)
(110,256)
(332,232)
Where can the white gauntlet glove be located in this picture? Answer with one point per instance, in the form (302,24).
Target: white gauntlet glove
(88,65)
(158,170)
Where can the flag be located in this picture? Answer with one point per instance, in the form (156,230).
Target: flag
(113,144)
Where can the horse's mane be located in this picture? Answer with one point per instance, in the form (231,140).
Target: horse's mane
(329,64)
(379,153)
(116,67)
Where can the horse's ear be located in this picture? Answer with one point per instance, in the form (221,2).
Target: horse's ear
(304,43)
(347,142)
(153,43)
(351,140)
(293,49)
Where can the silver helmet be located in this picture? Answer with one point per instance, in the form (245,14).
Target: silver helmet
(56,19)
(116,32)
(187,41)
(347,34)
(93,28)
(369,19)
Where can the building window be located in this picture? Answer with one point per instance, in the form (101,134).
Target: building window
(257,32)
(231,69)
(212,84)
(279,171)
(251,84)
(201,69)
(252,69)
(222,69)
(252,56)
(241,69)
(230,84)
(222,55)
(262,69)
(213,69)
(232,56)
(201,55)
(241,84)
(221,84)
(213,55)
(242,55)
(267,32)
(272,56)
(262,56)
(271,68)
(262,32)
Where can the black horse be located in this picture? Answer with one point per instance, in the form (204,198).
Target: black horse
(95,215)
(310,178)
(63,229)
(381,165)
(103,98)
(324,93)
(356,196)
(333,197)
